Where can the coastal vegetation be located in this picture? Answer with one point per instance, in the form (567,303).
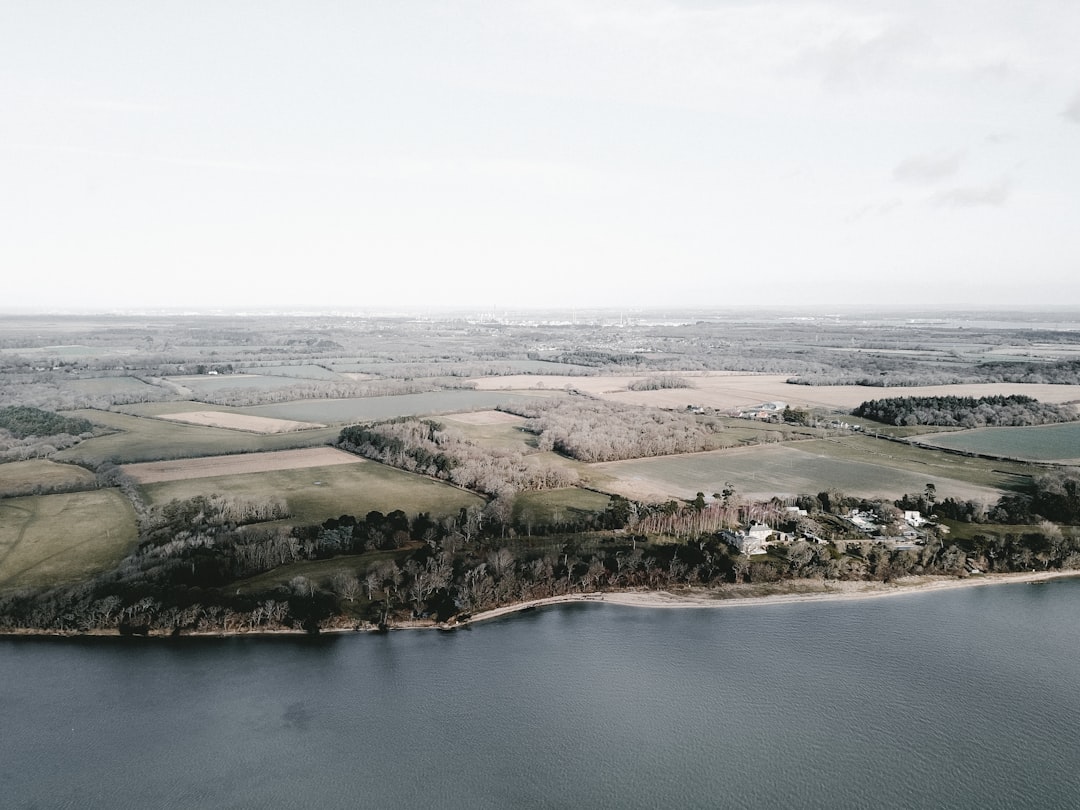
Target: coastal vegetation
(287,473)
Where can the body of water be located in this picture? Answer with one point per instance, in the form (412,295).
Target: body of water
(966,698)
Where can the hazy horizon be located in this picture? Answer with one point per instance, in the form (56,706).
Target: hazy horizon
(538,155)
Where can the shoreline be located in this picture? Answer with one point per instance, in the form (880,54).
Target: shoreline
(787,592)
(739,596)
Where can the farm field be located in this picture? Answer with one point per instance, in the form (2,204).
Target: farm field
(212,383)
(315,494)
(22,477)
(143,439)
(1059,442)
(242,463)
(238,421)
(728,391)
(422,369)
(115,388)
(364,409)
(307,371)
(53,539)
(768,470)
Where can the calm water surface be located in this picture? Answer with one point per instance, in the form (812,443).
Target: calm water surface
(967,698)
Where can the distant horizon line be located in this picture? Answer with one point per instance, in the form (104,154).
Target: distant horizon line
(390,310)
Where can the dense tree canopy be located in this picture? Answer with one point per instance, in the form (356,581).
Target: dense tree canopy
(967,412)
(22,422)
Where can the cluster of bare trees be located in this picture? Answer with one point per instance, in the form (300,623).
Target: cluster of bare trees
(428,447)
(246,397)
(659,383)
(595,430)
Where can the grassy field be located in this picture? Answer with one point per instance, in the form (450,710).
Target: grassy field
(143,439)
(112,387)
(1060,443)
(317,493)
(23,477)
(785,469)
(365,409)
(212,383)
(555,506)
(54,539)
(1004,475)
(493,429)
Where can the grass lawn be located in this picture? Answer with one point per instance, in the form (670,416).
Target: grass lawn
(54,539)
(315,494)
(554,506)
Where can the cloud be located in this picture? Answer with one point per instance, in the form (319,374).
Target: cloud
(1072,111)
(927,168)
(974,196)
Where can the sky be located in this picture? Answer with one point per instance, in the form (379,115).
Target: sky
(500,154)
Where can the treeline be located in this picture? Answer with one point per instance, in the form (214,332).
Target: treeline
(1060,372)
(429,448)
(967,412)
(1054,497)
(659,383)
(876,371)
(596,358)
(595,430)
(246,397)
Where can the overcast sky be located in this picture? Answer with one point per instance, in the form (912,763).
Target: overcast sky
(499,153)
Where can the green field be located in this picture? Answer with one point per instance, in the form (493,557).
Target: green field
(53,539)
(784,469)
(554,506)
(23,477)
(317,493)
(1060,442)
(366,409)
(143,439)
(912,458)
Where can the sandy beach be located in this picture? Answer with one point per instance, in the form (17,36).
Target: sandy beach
(785,593)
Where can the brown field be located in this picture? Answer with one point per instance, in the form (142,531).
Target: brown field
(484,418)
(208,466)
(725,391)
(239,421)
